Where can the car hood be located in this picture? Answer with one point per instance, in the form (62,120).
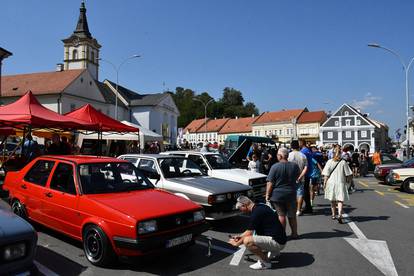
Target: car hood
(13,226)
(145,204)
(404,171)
(211,184)
(390,166)
(238,175)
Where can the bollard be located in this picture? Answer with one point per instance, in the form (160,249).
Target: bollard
(209,239)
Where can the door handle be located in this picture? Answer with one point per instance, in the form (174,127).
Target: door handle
(23,186)
(49,194)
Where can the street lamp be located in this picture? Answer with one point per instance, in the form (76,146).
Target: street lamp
(117,78)
(406,70)
(205,112)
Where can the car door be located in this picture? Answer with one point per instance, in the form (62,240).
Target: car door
(61,200)
(149,169)
(33,187)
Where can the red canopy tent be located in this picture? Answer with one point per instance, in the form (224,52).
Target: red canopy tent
(89,114)
(28,112)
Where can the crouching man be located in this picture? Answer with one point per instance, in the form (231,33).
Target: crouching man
(264,236)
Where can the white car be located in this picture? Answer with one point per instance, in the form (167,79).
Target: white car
(216,165)
(183,177)
(403,176)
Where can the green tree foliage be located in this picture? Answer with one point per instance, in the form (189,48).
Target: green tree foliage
(231,105)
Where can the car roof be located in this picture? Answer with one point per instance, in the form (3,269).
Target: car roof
(82,159)
(190,152)
(156,156)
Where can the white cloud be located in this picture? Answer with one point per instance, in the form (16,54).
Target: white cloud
(368,101)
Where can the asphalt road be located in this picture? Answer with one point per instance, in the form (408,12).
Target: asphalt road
(380,220)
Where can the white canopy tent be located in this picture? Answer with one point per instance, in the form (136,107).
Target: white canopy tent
(145,135)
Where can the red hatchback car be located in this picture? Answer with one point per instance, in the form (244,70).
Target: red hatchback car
(106,203)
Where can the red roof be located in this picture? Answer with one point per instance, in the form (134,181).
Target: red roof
(213,125)
(279,116)
(27,111)
(89,114)
(38,83)
(194,125)
(239,125)
(312,117)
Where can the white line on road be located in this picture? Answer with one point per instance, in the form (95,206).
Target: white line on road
(354,228)
(402,205)
(219,248)
(44,270)
(238,256)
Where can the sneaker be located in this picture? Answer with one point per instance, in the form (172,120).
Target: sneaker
(273,255)
(261,265)
(298,213)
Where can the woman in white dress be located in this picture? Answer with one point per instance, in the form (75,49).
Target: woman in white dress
(336,175)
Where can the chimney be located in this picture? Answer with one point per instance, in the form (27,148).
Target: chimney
(59,67)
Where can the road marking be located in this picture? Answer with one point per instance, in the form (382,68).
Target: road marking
(380,193)
(402,205)
(354,228)
(376,252)
(363,184)
(44,270)
(238,256)
(219,248)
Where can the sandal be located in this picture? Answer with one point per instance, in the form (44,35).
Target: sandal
(340,220)
(333,217)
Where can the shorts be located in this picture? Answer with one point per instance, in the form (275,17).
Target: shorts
(285,208)
(267,243)
(300,189)
(314,180)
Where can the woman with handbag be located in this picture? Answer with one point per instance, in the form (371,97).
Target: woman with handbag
(336,175)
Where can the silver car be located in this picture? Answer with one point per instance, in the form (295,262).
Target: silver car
(185,178)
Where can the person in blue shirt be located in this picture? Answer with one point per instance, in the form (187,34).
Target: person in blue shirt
(30,149)
(308,153)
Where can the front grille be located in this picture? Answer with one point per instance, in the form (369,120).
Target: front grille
(175,221)
(259,187)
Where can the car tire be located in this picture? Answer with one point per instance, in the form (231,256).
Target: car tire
(18,208)
(406,185)
(97,247)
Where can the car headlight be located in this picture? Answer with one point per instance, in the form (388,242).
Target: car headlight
(250,193)
(396,176)
(14,251)
(147,226)
(198,215)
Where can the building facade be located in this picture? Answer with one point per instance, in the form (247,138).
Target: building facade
(237,126)
(349,127)
(308,126)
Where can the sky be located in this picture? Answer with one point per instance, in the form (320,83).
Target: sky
(280,54)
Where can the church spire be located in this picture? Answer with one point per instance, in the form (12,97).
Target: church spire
(82,29)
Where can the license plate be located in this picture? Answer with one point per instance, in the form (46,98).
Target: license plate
(179,240)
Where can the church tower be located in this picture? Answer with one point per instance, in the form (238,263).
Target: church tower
(81,49)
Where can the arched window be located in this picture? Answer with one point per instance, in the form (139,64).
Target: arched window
(75,54)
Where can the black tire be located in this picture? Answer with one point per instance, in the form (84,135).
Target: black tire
(18,208)
(97,247)
(406,185)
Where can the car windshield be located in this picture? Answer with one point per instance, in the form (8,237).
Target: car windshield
(408,163)
(114,177)
(218,161)
(179,167)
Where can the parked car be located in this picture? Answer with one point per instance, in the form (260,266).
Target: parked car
(17,245)
(216,165)
(386,158)
(403,177)
(381,171)
(104,202)
(183,177)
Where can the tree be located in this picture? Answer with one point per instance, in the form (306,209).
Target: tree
(231,97)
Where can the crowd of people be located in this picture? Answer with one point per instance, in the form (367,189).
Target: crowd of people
(294,177)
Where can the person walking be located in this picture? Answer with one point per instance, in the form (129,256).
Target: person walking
(306,184)
(281,190)
(299,159)
(270,235)
(336,175)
